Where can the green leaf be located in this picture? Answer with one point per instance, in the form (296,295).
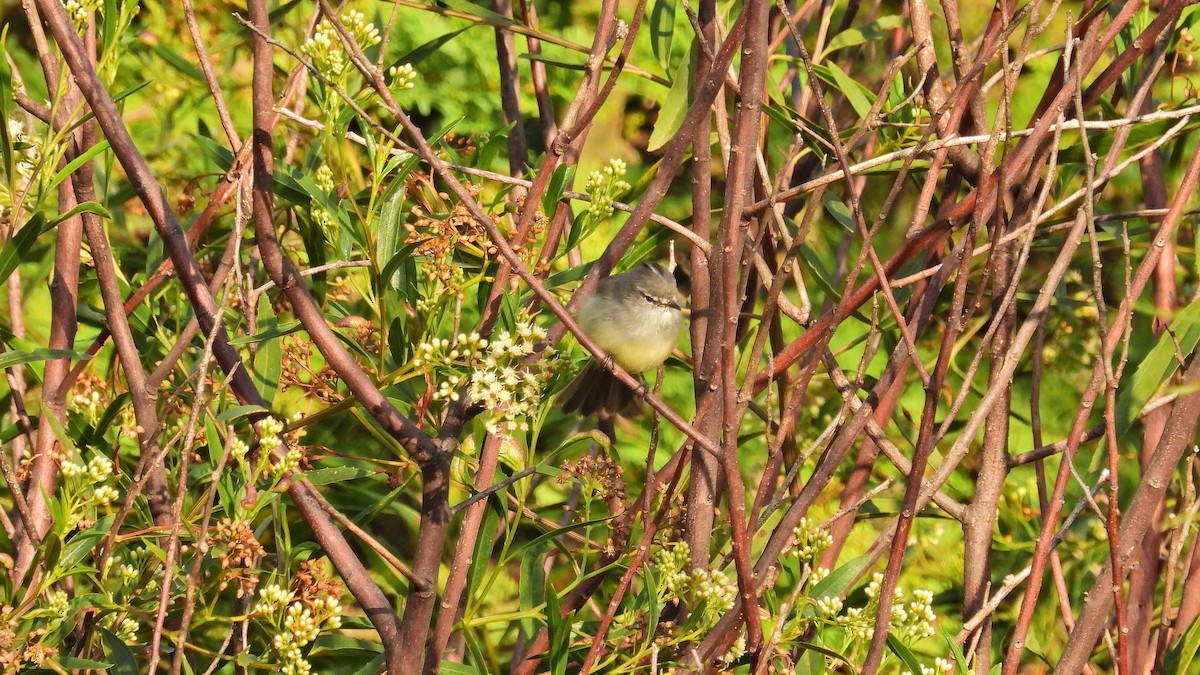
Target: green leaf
(8,359)
(6,98)
(531,588)
(333,642)
(811,662)
(335,474)
(481,557)
(960,660)
(76,163)
(403,267)
(856,36)
(811,263)
(550,536)
(107,420)
(389,231)
(559,632)
(674,108)
(554,190)
(124,662)
(904,654)
(214,151)
(662,29)
(274,331)
(86,207)
(268,359)
(840,213)
(840,579)
(783,116)
(1179,658)
(241,411)
(859,96)
(19,247)
(108,30)
(176,61)
(565,65)
(822,649)
(85,541)
(1159,365)
(478,10)
(424,51)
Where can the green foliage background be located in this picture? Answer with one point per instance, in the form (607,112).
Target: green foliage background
(405,296)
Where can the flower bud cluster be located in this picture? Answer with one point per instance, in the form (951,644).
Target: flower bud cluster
(94,480)
(909,621)
(464,351)
(127,630)
(80,11)
(324,178)
(810,540)
(711,589)
(403,76)
(27,156)
(302,625)
(509,388)
(940,667)
(604,186)
(270,598)
(325,49)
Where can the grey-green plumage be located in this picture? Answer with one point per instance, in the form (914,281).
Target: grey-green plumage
(635,318)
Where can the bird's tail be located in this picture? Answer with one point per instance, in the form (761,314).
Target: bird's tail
(596,390)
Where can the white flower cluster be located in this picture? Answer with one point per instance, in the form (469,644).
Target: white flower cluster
(271,440)
(463,351)
(671,564)
(80,10)
(817,576)
(330,610)
(271,597)
(128,574)
(508,388)
(127,630)
(325,49)
(830,605)
(324,178)
(87,405)
(300,627)
(909,623)
(810,540)
(96,474)
(57,602)
(127,568)
(364,32)
(289,463)
(940,667)
(323,219)
(448,389)
(716,589)
(27,160)
(735,652)
(916,622)
(403,76)
(603,186)
(238,449)
(710,588)
(270,428)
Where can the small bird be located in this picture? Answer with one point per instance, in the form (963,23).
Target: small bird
(635,318)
